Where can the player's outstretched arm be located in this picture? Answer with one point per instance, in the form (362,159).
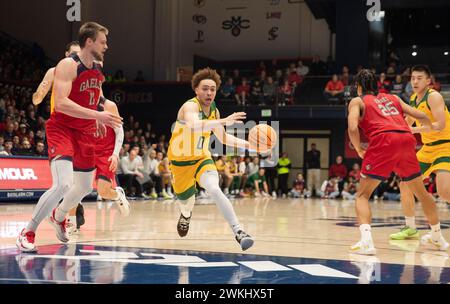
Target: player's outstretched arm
(228,139)
(427,126)
(44,87)
(190,115)
(65,73)
(354,110)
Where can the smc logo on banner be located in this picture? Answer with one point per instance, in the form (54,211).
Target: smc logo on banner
(24,173)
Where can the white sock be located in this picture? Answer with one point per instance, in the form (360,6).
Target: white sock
(366,232)
(436,231)
(410,222)
(209,180)
(186,206)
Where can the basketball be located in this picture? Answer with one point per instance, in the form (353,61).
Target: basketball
(262,138)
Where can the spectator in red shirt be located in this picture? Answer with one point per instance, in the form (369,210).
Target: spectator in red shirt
(356,172)
(294,78)
(338,170)
(286,94)
(384,85)
(242,92)
(334,90)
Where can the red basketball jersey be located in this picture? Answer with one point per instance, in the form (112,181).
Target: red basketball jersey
(85,92)
(106,144)
(382,113)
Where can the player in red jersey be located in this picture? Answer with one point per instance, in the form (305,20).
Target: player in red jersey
(71,133)
(391,148)
(106,161)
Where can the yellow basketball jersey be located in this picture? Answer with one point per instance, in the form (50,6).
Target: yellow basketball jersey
(422,105)
(188,145)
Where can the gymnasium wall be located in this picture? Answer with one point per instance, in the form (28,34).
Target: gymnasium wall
(188,27)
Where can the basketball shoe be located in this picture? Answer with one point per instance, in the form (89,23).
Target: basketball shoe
(183,225)
(440,244)
(25,241)
(60,227)
(244,239)
(405,233)
(122,202)
(364,247)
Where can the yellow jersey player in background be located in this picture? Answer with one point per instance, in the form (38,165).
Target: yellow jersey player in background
(47,82)
(190,158)
(434,156)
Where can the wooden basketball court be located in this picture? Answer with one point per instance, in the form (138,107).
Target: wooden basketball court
(310,229)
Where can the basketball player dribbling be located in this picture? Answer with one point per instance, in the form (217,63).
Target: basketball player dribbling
(190,158)
(71,133)
(391,149)
(434,156)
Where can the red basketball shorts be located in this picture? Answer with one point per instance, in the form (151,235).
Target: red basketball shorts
(71,144)
(391,152)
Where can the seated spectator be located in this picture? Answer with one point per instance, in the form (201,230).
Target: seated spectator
(236,174)
(339,170)
(355,172)
(262,78)
(225,176)
(9,131)
(392,192)
(269,90)
(25,149)
(329,189)
(228,90)
(237,79)
(350,189)
(166,175)
(139,77)
(131,167)
(334,90)
(435,84)
(119,77)
(40,149)
(302,70)
(2,143)
(294,78)
(278,78)
(7,148)
(257,93)
(260,68)
(286,94)
(390,72)
(256,184)
(317,67)
(384,85)
(242,92)
(299,189)
(397,87)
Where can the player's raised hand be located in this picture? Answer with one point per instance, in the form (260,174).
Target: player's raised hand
(109,119)
(236,117)
(114,160)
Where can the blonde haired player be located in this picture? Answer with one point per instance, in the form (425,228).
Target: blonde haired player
(190,157)
(434,156)
(38,96)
